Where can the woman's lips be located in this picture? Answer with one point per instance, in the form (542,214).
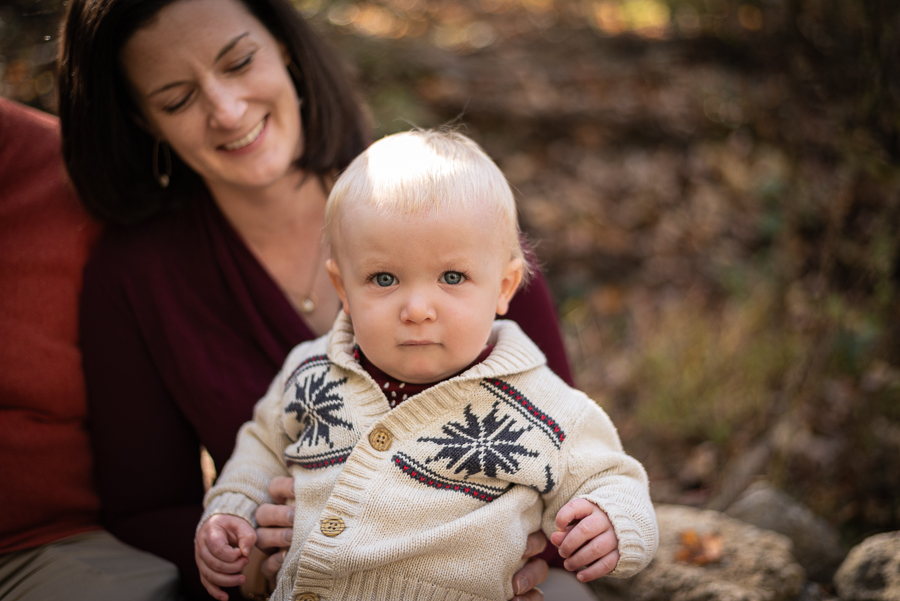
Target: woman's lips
(250,138)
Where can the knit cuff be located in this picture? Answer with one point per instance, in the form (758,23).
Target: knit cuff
(637,542)
(231,503)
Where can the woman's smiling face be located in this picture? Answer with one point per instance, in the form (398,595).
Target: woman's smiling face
(212,81)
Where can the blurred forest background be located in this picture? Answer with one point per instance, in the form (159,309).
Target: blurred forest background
(713,189)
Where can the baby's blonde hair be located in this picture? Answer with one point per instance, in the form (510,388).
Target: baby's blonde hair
(425,172)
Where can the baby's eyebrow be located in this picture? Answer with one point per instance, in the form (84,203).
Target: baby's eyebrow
(370,266)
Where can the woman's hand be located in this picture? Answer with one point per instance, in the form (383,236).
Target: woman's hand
(276,522)
(532,573)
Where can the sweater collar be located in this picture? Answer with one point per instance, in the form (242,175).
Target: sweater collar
(397,391)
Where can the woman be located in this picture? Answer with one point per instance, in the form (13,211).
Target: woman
(210,131)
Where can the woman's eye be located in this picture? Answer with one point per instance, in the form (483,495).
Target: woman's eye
(172,108)
(241,63)
(384,279)
(452,277)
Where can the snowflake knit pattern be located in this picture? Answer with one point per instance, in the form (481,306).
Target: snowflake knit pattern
(435,498)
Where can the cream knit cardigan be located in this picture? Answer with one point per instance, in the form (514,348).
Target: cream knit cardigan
(468,469)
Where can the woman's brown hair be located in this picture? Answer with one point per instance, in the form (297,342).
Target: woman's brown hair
(109,156)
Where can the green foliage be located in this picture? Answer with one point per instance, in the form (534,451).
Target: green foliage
(705,375)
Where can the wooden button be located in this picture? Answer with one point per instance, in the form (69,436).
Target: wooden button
(380,439)
(308,597)
(332,526)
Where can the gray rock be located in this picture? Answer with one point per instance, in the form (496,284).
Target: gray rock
(817,545)
(871,571)
(756,565)
(812,591)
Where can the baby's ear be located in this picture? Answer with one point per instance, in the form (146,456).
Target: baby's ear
(334,273)
(512,277)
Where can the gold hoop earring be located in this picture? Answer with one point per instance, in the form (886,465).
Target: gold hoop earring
(162,178)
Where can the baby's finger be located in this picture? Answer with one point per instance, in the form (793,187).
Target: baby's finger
(601,567)
(587,529)
(244,536)
(214,581)
(219,545)
(556,538)
(215,564)
(575,509)
(214,591)
(596,548)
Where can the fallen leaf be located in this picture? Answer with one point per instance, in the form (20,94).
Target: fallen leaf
(700,549)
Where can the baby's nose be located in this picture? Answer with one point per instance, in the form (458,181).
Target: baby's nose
(418,309)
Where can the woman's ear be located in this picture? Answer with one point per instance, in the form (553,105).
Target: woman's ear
(334,273)
(512,277)
(285,55)
(145,125)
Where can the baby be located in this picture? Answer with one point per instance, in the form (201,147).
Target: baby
(426,440)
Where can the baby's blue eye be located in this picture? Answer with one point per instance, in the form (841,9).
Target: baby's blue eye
(452,277)
(384,279)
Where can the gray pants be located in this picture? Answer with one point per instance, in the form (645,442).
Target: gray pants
(563,586)
(93,566)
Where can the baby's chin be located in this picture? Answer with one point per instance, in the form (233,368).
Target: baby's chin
(426,374)
(423,377)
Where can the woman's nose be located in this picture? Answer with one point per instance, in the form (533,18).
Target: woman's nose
(226,106)
(418,309)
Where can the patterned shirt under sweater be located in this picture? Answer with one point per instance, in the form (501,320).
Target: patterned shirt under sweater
(433,499)
(396,391)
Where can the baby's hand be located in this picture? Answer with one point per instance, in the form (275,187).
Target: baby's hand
(221,550)
(589,542)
